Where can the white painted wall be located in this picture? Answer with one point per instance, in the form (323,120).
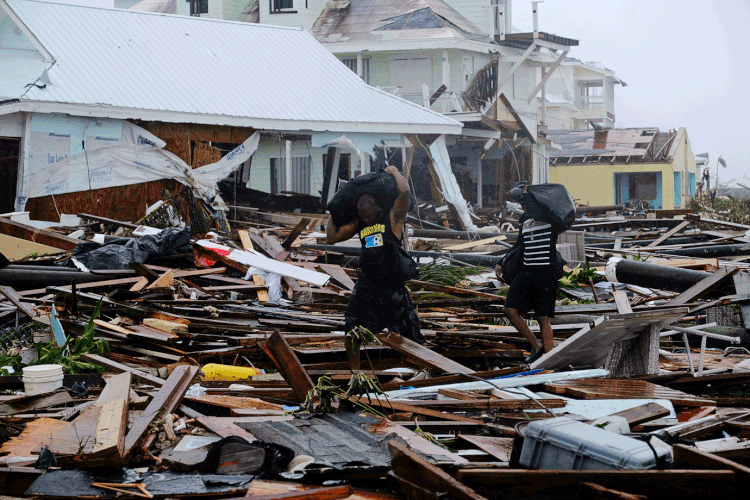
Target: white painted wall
(260,171)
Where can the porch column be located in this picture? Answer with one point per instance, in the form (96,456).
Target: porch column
(288,165)
(479,182)
(360,65)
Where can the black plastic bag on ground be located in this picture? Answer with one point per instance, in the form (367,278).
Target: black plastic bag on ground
(551,203)
(118,254)
(343,205)
(235,455)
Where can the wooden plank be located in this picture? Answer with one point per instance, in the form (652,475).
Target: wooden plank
(139,285)
(436,287)
(626,389)
(395,406)
(669,234)
(704,286)
(656,483)
(16,300)
(499,448)
(508,404)
(421,355)
(113,418)
(27,404)
(262,294)
(475,243)
(37,433)
(685,456)
(455,394)
(339,275)
(286,361)
(30,233)
(165,401)
(641,414)
(330,493)
(415,491)
(247,243)
(163,281)
(170,327)
(294,234)
(408,464)
(622,302)
(105,220)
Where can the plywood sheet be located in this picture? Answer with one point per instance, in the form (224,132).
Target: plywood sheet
(590,346)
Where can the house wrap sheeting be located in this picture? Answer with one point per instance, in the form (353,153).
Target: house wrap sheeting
(128,64)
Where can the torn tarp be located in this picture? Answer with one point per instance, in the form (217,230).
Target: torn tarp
(127,164)
(119,253)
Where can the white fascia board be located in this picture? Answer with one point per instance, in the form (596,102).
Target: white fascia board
(13,107)
(409,45)
(482,134)
(99,111)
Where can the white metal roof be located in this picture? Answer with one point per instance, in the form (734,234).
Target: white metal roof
(129,64)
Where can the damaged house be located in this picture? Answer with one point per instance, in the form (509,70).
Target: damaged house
(643,167)
(460,58)
(108,111)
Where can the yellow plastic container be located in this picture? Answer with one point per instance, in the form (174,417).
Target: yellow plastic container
(215,371)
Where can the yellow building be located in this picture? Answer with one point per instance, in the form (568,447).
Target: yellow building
(617,166)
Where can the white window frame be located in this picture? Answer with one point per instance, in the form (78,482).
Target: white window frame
(351,63)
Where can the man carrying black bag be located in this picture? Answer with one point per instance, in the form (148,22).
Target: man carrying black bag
(534,285)
(380,299)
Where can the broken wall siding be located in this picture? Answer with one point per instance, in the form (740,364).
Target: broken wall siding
(124,203)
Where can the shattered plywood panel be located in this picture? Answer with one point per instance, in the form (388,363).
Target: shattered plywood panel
(38,433)
(205,154)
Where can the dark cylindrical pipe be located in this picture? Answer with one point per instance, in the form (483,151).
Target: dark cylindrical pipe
(641,243)
(710,251)
(20,278)
(468,258)
(632,272)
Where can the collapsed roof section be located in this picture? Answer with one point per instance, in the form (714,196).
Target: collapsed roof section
(384,20)
(136,65)
(614,145)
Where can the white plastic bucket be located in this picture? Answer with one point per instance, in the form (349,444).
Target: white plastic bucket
(41,379)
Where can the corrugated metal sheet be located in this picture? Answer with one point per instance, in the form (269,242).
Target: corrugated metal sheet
(617,142)
(20,68)
(158,62)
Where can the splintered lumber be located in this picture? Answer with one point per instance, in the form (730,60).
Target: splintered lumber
(278,349)
(29,233)
(119,368)
(15,299)
(242,260)
(408,464)
(330,493)
(413,490)
(703,287)
(139,285)
(262,294)
(421,355)
(396,406)
(506,404)
(436,287)
(595,492)
(234,402)
(28,404)
(685,456)
(165,401)
(294,234)
(498,447)
(165,326)
(475,243)
(625,389)
(163,281)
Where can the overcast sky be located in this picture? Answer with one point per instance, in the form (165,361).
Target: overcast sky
(685,63)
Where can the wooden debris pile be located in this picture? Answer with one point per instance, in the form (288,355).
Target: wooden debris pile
(244,338)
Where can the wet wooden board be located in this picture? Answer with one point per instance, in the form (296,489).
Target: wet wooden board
(590,346)
(507,404)
(15,299)
(277,348)
(624,389)
(236,402)
(37,433)
(26,404)
(499,448)
(421,355)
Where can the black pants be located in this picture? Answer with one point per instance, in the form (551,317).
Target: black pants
(377,307)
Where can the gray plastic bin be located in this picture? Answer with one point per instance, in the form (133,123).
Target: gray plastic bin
(564,444)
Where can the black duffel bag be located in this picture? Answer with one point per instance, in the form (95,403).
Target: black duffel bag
(343,205)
